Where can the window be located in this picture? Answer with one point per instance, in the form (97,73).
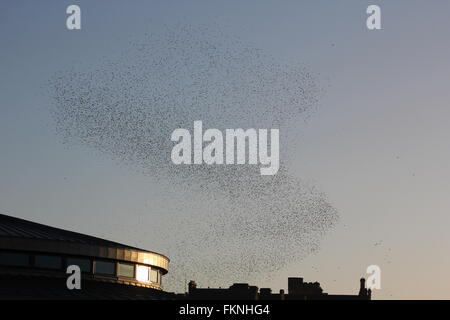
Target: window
(126,270)
(48,262)
(159,277)
(14,259)
(84,264)
(142,273)
(105,267)
(153,275)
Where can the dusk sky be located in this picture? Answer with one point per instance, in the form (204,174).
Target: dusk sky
(377,146)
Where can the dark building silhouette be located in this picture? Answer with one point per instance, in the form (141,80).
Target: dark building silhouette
(238,291)
(34,259)
(297,290)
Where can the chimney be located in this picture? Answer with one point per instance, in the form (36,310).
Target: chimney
(362,287)
(192,286)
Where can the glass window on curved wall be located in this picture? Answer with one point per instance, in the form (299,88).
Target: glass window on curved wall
(125,270)
(84,264)
(105,267)
(142,273)
(154,275)
(159,277)
(47,262)
(15,259)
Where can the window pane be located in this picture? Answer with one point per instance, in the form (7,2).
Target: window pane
(153,275)
(14,259)
(104,267)
(126,270)
(142,273)
(84,264)
(48,262)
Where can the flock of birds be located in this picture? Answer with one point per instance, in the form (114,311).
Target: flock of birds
(233,223)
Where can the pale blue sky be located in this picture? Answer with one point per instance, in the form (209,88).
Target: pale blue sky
(378,145)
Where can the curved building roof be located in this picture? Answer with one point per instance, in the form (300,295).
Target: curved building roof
(19,234)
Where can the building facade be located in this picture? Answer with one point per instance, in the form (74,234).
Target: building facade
(34,256)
